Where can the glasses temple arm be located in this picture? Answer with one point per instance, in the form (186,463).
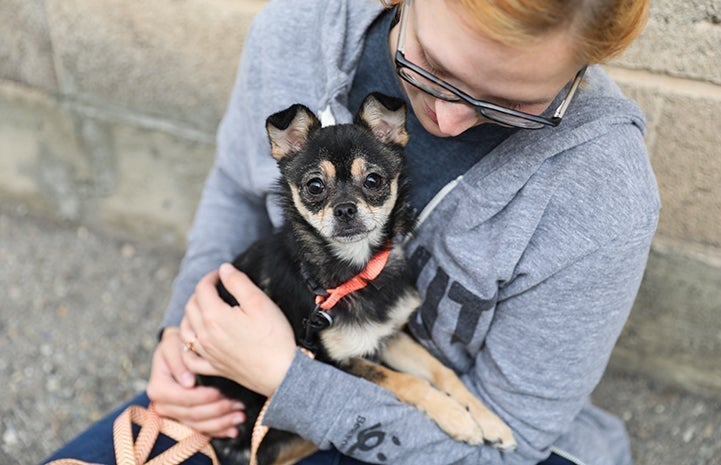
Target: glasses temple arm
(572,91)
(401,44)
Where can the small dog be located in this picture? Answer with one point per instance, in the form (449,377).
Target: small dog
(344,196)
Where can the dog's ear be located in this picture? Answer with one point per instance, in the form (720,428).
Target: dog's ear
(288,130)
(386,117)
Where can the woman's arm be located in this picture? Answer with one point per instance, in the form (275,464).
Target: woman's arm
(544,353)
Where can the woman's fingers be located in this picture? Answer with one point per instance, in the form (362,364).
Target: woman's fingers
(217,418)
(249,296)
(203,408)
(252,345)
(170,346)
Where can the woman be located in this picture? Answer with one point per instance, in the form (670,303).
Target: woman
(539,206)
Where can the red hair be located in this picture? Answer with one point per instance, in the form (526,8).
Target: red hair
(600,29)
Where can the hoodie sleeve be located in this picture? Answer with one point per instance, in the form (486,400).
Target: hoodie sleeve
(226,223)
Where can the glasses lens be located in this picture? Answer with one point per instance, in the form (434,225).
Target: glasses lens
(509,120)
(438,91)
(426,84)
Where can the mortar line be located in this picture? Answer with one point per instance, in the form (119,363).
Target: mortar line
(668,84)
(109,113)
(653,124)
(60,81)
(105,112)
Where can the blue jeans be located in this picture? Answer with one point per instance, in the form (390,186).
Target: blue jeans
(95,445)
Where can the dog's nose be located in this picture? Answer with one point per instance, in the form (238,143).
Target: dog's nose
(345,211)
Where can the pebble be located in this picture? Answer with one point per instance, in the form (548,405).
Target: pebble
(83,233)
(10,436)
(127,251)
(688,435)
(53,384)
(699,409)
(46,350)
(708,431)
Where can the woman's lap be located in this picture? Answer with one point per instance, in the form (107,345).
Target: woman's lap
(95,445)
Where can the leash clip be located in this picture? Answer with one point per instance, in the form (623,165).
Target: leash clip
(318,320)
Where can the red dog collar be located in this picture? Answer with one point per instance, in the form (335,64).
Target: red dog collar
(357,282)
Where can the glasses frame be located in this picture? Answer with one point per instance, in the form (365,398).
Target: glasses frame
(481,106)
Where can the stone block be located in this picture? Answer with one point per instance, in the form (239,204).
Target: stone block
(159,178)
(684,142)
(674,331)
(26,51)
(137,181)
(688,167)
(165,58)
(39,156)
(682,38)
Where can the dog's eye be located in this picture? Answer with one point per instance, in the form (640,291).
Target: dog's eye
(315,186)
(373,181)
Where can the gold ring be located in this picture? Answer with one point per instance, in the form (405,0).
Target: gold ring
(190,346)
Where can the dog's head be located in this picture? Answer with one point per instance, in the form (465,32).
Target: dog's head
(344,180)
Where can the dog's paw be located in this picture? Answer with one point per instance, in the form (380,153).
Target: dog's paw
(453,418)
(495,431)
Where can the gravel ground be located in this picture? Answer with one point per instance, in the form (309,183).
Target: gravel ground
(78,322)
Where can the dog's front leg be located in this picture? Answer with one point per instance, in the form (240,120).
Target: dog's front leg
(406,355)
(448,414)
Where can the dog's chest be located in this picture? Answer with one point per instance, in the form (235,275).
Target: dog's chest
(346,340)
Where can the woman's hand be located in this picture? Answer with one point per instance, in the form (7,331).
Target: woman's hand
(252,344)
(172,390)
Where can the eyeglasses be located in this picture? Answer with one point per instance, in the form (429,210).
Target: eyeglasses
(438,88)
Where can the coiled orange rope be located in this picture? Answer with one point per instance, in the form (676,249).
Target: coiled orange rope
(129,452)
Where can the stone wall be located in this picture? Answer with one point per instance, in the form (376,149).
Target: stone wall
(108,112)
(674,72)
(108,109)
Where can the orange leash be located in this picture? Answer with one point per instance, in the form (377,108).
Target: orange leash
(129,452)
(259,429)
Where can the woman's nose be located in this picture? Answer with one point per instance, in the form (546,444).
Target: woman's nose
(454,118)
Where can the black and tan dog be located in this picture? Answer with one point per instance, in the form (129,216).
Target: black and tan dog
(345,202)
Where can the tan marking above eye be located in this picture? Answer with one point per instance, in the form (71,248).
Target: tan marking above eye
(358,168)
(328,169)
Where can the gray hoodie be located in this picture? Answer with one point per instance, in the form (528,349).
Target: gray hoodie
(528,264)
